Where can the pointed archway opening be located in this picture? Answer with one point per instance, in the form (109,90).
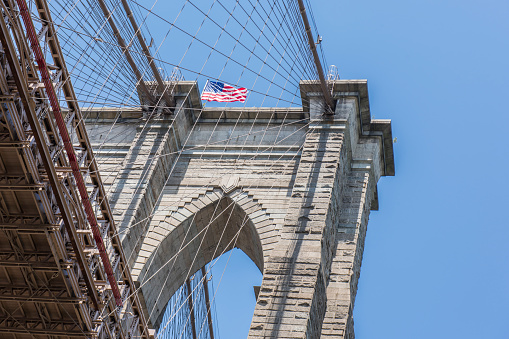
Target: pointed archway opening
(230,299)
(214,230)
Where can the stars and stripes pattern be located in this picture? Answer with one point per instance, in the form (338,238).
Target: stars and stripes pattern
(218,91)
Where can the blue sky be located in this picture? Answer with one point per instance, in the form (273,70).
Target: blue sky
(436,253)
(436,256)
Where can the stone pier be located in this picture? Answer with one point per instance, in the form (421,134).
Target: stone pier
(290,187)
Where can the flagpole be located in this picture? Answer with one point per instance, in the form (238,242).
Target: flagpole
(201,94)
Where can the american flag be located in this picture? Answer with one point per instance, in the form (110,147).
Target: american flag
(218,91)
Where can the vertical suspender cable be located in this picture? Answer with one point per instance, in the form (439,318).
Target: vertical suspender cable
(191,307)
(50,91)
(207,301)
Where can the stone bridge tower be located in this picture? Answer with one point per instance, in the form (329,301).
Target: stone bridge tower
(290,188)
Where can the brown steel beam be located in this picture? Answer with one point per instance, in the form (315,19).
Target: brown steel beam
(26,253)
(69,169)
(14,144)
(42,299)
(50,332)
(170,101)
(20,217)
(35,321)
(16,177)
(109,17)
(36,265)
(29,228)
(19,289)
(325,90)
(33,325)
(21,187)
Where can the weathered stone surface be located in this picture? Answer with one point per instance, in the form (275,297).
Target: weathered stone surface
(289,187)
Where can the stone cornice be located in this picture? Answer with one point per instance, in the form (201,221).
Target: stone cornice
(369,127)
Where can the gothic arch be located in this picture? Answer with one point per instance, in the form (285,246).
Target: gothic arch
(213,229)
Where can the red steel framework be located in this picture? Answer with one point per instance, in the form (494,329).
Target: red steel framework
(69,149)
(38,262)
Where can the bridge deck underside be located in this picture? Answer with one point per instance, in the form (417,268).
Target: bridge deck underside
(35,300)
